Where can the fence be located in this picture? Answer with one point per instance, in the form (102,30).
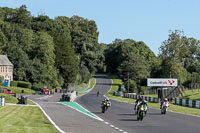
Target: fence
(187,102)
(135,96)
(2,101)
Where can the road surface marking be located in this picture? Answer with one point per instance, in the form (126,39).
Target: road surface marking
(106,123)
(45,97)
(81,109)
(52,122)
(111,126)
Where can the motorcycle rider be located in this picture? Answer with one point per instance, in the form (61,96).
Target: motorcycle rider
(97,93)
(164,100)
(139,100)
(144,103)
(107,101)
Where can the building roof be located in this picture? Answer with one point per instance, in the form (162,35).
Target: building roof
(4,61)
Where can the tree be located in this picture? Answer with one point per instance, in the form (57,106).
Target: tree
(66,59)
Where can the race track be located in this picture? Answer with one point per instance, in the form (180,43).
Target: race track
(120,115)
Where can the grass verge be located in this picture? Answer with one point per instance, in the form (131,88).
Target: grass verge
(92,82)
(11,99)
(173,107)
(189,94)
(18,119)
(18,90)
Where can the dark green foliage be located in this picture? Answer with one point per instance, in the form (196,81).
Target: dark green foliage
(1,80)
(66,59)
(131,86)
(24,84)
(13,83)
(84,39)
(132,59)
(40,86)
(180,59)
(50,51)
(37,86)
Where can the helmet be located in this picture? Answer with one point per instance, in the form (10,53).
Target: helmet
(165,99)
(143,101)
(106,99)
(140,98)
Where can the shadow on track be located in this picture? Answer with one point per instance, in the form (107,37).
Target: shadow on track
(97,112)
(153,113)
(127,114)
(128,120)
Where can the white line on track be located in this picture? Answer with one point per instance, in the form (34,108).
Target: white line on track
(112,126)
(52,122)
(45,97)
(106,123)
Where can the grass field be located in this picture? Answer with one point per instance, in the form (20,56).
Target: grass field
(92,82)
(18,90)
(20,119)
(153,95)
(115,87)
(189,94)
(173,107)
(11,99)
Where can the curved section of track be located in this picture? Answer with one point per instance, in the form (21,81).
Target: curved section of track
(121,115)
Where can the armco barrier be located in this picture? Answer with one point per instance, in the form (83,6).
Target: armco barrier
(187,103)
(135,96)
(2,101)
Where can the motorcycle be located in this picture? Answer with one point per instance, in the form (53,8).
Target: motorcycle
(136,108)
(142,112)
(164,107)
(105,106)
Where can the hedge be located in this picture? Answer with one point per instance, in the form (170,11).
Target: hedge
(40,86)
(24,84)
(13,83)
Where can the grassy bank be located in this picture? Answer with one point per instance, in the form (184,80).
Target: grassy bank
(11,99)
(18,90)
(115,87)
(173,107)
(92,82)
(189,94)
(18,119)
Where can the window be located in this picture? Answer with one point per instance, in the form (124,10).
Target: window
(6,69)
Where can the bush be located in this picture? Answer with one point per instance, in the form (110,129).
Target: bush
(40,86)
(1,80)
(37,86)
(24,84)
(13,83)
(132,86)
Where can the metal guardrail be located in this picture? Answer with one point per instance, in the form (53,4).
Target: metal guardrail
(135,96)
(188,103)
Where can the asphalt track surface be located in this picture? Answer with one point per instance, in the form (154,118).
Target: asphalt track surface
(118,118)
(121,115)
(68,119)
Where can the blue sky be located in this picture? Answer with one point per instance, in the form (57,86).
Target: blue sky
(140,20)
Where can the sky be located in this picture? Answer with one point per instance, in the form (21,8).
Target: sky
(141,20)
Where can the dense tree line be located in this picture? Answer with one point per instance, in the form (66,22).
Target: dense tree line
(50,51)
(65,50)
(178,57)
(134,60)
